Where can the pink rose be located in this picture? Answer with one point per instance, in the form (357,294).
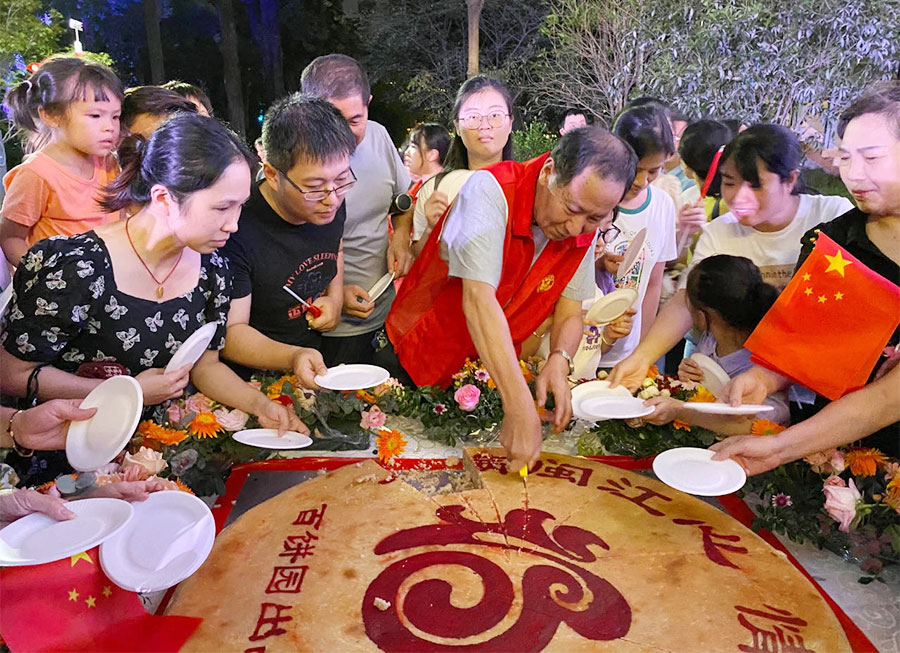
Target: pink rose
(836,481)
(840,503)
(372,419)
(837,462)
(175,413)
(231,420)
(467,397)
(198,403)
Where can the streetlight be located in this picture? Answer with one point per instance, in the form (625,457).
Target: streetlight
(77,26)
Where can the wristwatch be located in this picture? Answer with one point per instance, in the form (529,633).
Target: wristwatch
(565,354)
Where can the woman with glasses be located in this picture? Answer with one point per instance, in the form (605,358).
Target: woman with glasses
(482,121)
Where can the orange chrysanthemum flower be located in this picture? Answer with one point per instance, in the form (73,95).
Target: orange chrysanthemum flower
(892,493)
(148,428)
(181,486)
(529,377)
(652,372)
(765,427)
(365,396)
(864,462)
(205,425)
(390,444)
(678,424)
(702,395)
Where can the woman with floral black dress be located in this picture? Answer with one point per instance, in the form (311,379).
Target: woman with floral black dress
(131,292)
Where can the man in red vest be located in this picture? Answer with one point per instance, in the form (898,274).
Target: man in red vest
(515,247)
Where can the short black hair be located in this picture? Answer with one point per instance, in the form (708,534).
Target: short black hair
(302,126)
(191,92)
(335,76)
(594,147)
(155,100)
(699,144)
(646,128)
(432,135)
(671,112)
(882,98)
(776,146)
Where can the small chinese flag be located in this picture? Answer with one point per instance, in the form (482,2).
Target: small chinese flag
(830,325)
(70,605)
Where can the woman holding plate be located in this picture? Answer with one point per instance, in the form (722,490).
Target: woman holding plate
(125,297)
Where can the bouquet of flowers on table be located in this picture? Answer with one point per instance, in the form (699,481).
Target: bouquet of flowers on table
(846,500)
(193,434)
(637,439)
(469,405)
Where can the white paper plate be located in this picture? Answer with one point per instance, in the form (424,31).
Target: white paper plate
(718,408)
(692,470)
(192,349)
(598,403)
(632,253)
(380,286)
(714,377)
(94,442)
(612,306)
(268,439)
(5,296)
(167,540)
(352,377)
(36,538)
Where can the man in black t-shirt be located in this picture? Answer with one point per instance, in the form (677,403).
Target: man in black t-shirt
(288,244)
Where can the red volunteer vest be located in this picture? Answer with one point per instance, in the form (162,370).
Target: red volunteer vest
(427,325)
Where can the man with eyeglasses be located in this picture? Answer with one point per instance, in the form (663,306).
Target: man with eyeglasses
(368,253)
(287,257)
(516,246)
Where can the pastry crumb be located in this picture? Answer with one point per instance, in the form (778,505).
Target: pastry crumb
(381,604)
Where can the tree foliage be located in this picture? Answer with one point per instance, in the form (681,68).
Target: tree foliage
(28,32)
(753,60)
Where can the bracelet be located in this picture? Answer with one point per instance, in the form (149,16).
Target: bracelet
(603,339)
(22,451)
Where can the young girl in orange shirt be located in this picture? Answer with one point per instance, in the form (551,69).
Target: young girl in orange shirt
(69,111)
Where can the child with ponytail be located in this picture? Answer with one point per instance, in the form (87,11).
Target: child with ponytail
(727,298)
(68,111)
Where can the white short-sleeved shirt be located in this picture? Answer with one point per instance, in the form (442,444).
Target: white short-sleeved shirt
(450,185)
(475,230)
(657,214)
(775,253)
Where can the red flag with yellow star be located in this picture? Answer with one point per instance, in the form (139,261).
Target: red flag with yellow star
(70,605)
(828,328)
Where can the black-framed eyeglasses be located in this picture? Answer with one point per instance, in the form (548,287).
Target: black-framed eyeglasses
(610,234)
(475,120)
(319,195)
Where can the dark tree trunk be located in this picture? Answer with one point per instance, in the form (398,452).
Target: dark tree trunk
(265,27)
(229,46)
(154,41)
(272,46)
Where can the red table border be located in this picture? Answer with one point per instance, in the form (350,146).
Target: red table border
(733,505)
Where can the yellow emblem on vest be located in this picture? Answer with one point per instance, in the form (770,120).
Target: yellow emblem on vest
(546,283)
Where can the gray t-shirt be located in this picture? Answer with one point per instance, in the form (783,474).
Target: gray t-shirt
(475,230)
(380,175)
